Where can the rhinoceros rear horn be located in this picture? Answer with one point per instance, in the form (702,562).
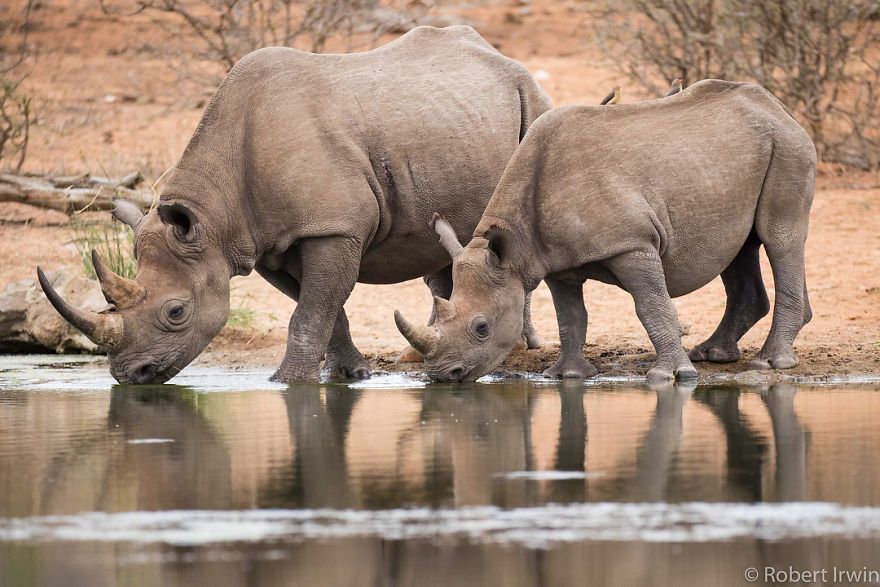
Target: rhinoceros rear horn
(443,309)
(447,235)
(119,291)
(127,213)
(422,338)
(105,330)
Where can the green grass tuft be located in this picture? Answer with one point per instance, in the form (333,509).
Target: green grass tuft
(113,241)
(241,318)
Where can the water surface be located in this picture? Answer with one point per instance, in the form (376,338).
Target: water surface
(227,479)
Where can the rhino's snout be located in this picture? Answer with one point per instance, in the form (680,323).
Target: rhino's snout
(142,373)
(455,373)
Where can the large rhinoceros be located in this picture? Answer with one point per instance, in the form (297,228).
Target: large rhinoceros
(318,171)
(658,198)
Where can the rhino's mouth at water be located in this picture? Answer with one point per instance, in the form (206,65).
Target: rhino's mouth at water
(454,373)
(149,372)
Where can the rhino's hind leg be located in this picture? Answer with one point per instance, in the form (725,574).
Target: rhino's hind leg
(571,314)
(641,274)
(781,223)
(440,284)
(791,310)
(746,304)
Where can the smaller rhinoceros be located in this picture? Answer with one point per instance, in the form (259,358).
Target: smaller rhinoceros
(658,198)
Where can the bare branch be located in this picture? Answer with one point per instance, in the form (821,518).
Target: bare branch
(812,54)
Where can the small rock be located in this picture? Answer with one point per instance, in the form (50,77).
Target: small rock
(758,378)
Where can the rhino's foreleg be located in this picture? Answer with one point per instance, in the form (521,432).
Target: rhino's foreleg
(641,274)
(329,272)
(746,304)
(571,315)
(530,335)
(343,360)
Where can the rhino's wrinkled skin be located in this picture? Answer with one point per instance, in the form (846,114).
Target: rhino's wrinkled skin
(318,171)
(657,198)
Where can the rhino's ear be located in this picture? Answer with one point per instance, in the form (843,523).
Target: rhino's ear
(182,219)
(127,212)
(500,246)
(447,235)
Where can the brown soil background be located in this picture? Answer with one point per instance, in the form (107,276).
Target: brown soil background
(109,99)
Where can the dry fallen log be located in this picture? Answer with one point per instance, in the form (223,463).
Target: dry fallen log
(73,193)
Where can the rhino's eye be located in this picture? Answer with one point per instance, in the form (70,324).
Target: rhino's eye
(480,327)
(175,313)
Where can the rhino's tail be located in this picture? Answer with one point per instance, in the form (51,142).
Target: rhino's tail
(533,102)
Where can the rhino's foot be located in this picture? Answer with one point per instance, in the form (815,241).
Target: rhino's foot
(714,353)
(410,355)
(353,368)
(663,374)
(533,341)
(527,341)
(782,360)
(573,368)
(293,374)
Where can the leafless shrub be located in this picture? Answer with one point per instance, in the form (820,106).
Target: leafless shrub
(821,58)
(15,107)
(229,29)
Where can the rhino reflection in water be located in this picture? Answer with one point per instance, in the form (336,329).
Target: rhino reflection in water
(467,442)
(318,171)
(449,450)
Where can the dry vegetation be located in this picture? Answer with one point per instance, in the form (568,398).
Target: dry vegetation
(15,105)
(822,59)
(226,30)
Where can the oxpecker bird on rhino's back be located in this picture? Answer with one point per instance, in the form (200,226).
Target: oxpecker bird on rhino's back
(317,171)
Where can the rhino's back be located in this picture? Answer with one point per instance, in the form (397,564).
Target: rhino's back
(686,171)
(426,123)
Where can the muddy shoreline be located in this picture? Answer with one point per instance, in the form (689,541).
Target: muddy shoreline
(845,362)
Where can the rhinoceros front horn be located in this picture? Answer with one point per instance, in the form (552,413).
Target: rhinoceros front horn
(105,330)
(422,338)
(119,291)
